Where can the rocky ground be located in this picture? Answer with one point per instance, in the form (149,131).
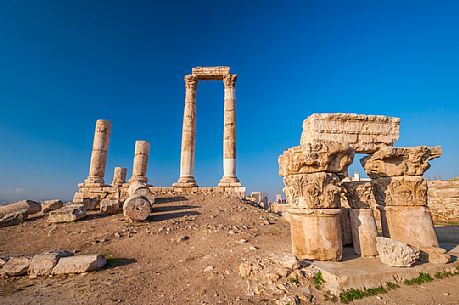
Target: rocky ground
(191,251)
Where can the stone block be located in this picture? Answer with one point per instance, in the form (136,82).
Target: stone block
(400,161)
(400,191)
(309,158)
(409,224)
(31,206)
(51,205)
(110,206)
(364,232)
(364,133)
(316,234)
(435,255)
(359,194)
(43,264)
(13,218)
(16,266)
(396,253)
(137,208)
(79,264)
(313,191)
(68,213)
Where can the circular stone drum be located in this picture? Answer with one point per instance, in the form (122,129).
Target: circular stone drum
(137,208)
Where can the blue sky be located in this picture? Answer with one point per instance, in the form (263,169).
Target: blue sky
(64,64)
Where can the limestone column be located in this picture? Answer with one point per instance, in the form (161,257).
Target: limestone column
(139,169)
(119,176)
(229,133)
(99,152)
(188,134)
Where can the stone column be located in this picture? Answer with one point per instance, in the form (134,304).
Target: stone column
(99,152)
(188,134)
(119,176)
(139,169)
(229,133)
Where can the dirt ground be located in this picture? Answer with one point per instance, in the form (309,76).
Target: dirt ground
(189,252)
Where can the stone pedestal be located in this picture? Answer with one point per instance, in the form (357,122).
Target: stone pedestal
(364,232)
(229,133)
(188,135)
(99,153)
(316,234)
(119,176)
(409,224)
(139,169)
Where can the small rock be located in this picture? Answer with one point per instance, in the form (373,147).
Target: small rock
(272,277)
(245,269)
(79,264)
(283,272)
(183,238)
(396,253)
(252,247)
(435,255)
(288,300)
(51,205)
(291,262)
(209,269)
(3,260)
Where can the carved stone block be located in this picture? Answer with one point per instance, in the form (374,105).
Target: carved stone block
(400,191)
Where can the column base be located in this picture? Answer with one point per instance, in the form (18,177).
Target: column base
(138,179)
(186,181)
(94,181)
(229,182)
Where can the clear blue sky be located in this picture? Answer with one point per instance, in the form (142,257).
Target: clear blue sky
(64,64)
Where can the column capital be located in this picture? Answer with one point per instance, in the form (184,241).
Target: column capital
(229,81)
(191,81)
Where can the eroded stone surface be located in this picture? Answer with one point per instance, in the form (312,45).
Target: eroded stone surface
(51,205)
(400,191)
(16,266)
(317,157)
(313,191)
(396,253)
(400,161)
(137,208)
(443,199)
(364,232)
(13,218)
(68,213)
(110,206)
(435,255)
(79,264)
(359,194)
(43,264)
(32,207)
(365,133)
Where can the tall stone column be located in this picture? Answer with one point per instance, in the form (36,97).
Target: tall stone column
(99,152)
(188,134)
(139,169)
(229,133)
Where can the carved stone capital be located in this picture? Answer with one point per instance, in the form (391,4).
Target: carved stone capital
(191,81)
(400,191)
(229,81)
(359,194)
(313,191)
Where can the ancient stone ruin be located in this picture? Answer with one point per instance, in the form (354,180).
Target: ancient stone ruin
(313,176)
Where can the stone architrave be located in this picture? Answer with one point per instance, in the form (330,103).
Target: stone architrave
(229,133)
(139,169)
(364,232)
(188,134)
(313,191)
(400,191)
(410,224)
(316,234)
(310,158)
(400,161)
(364,133)
(119,176)
(99,152)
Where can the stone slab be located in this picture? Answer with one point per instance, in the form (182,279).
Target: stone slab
(211,73)
(368,272)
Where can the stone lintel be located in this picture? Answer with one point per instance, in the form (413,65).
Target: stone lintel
(211,73)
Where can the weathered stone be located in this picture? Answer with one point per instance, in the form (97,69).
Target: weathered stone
(137,208)
(139,169)
(211,73)
(410,224)
(31,206)
(99,152)
(110,206)
(364,232)
(13,218)
(396,253)
(79,264)
(309,158)
(3,260)
(119,176)
(400,161)
(435,255)
(50,205)
(359,194)
(140,188)
(91,203)
(400,191)
(43,264)
(364,133)
(288,300)
(316,234)
(443,199)
(16,266)
(313,191)
(68,213)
